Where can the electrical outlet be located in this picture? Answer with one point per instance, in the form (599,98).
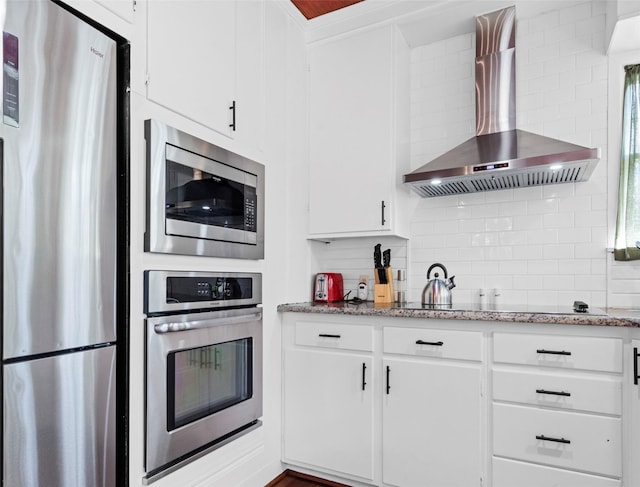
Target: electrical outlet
(364,279)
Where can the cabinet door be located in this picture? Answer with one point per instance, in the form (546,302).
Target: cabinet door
(431,423)
(191,59)
(350,134)
(633,466)
(328,417)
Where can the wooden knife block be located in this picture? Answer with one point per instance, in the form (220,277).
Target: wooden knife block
(383,293)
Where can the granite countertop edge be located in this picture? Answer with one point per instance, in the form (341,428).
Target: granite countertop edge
(368,309)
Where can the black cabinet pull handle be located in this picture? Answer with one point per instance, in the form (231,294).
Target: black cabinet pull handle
(328,335)
(553,352)
(364,367)
(553,393)
(232,125)
(635,365)
(437,344)
(388,384)
(383,207)
(550,438)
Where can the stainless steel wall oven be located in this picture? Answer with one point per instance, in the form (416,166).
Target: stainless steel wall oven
(201,198)
(203,363)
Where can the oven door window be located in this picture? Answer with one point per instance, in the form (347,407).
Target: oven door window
(202,381)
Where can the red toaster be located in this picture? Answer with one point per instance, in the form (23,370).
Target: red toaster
(328,287)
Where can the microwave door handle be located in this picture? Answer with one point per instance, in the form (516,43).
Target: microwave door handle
(163,328)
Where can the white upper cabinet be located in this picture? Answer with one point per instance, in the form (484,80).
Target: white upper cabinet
(122,8)
(358,135)
(204,61)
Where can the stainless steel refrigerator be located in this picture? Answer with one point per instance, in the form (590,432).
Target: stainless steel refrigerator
(60,248)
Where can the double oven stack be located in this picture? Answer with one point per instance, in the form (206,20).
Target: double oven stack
(204,363)
(203,329)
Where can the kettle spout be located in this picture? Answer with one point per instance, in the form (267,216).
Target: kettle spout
(449,283)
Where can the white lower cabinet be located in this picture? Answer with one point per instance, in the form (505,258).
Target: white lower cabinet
(435,403)
(557,410)
(328,401)
(633,426)
(431,407)
(329,411)
(510,473)
(431,423)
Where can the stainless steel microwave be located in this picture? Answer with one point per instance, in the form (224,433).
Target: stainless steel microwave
(201,199)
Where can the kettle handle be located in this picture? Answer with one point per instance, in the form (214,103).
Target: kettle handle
(437,265)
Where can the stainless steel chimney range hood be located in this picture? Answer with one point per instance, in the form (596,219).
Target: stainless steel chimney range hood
(500,156)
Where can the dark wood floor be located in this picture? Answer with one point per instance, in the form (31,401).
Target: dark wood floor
(290,478)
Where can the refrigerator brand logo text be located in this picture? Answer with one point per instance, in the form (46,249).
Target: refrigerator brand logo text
(96,52)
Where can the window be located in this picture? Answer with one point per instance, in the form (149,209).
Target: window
(627,243)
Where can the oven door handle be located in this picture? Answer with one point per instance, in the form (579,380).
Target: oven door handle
(163,328)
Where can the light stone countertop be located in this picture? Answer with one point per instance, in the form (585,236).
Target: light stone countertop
(517,314)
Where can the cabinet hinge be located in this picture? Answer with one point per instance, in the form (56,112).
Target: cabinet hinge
(134,4)
(146,79)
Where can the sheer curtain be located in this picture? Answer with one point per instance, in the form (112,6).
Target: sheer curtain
(627,241)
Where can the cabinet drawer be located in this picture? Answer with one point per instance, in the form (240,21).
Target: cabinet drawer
(334,335)
(466,345)
(558,390)
(508,473)
(570,352)
(582,442)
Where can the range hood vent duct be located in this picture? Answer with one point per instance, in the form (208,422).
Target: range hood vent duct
(500,156)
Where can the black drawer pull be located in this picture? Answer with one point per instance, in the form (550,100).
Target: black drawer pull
(553,393)
(328,335)
(364,368)
(553,352)
(388,384)
(550,438)
(421,342)
(635,365)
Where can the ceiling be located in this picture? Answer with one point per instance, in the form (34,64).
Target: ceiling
(314,8)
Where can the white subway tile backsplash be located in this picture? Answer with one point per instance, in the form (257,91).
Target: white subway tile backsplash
(529,252)
(527,282)
(488,210)
(472,225)
(543,206)
(568,16)
(590,250)
(576,267)
(559,282)
(539,244)
(558,220)
(558,251)
(512,208)
(485,239)
(576,204)
(513,267)
(499,253)
(498,223)
(591,283)
(528,222)
(574,235)
(564,191)
(541,267)
(513,238)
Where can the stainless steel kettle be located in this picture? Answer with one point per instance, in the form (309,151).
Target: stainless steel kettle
(437,293)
